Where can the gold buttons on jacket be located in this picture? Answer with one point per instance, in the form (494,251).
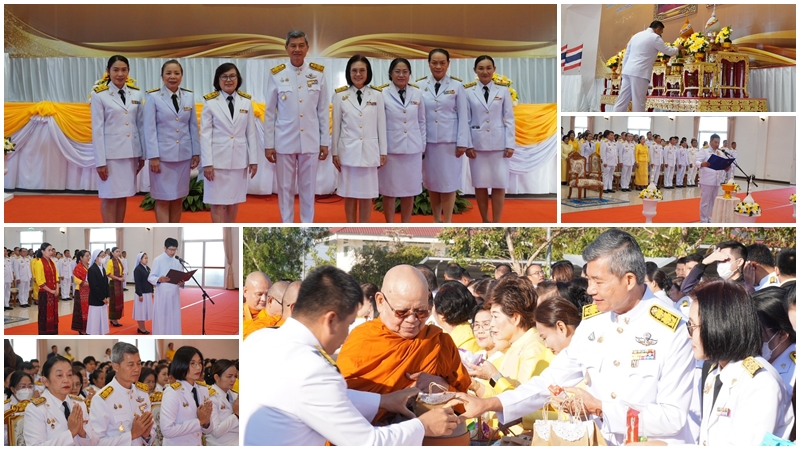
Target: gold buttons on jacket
(177,141)
(620,330)
(301,100)
(301,114)
(231,137)
(176,119)
(302,129)
(613,395)
(405,131)
(126,123)
(129,135)
(616,363)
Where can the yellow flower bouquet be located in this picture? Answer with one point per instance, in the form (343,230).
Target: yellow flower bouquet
(724,35)
(8,147)
(650,193)
(697,43)
(748,207)
(793,198)
(506,81)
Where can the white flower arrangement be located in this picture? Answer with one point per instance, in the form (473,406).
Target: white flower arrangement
(9,146)
(650,193)
(748,207)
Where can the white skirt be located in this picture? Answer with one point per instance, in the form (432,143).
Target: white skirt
(441,170)
(489,170)
(228,188)
(143,310)
(358,182)
(121,181)
(173,181)
(401,176)
(97,323)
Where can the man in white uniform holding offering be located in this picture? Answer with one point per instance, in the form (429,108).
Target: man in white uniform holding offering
(167,302)
(637,66)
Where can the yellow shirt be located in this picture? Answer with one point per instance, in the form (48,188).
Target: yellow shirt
(37,269)
(463,337)
(170,354)
(526,358)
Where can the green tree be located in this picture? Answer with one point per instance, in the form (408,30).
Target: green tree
(279,252)
(374,260)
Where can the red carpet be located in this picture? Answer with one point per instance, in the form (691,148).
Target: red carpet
(775,208)
(221,319)
(257,209)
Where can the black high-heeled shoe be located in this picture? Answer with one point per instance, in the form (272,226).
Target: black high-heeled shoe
(142,332)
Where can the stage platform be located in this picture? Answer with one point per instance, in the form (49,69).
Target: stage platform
(694,104)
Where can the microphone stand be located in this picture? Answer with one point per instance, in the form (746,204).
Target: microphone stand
(205,297)
(750,178)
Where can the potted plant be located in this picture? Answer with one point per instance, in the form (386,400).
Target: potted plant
(650,197)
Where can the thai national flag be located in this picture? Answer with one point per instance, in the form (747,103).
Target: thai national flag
(571,57)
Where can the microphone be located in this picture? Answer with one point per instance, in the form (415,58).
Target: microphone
(180,259)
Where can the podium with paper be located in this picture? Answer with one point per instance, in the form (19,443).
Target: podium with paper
(176,276)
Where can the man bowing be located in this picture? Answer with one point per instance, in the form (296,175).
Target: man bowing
(637,66)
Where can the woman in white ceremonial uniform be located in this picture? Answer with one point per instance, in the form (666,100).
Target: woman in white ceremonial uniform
(447,134)
(405,136)
(117,121)
(172,142)
(143,302)
(58,418)
(97,323)
(228,144)
(358,144)
(226,404)
(492,137)
(779,347)
(20,385)
(186,408)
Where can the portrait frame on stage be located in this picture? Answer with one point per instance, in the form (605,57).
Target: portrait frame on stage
(666,12)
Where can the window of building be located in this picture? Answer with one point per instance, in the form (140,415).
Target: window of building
(102,238)
(203,250)
(30,239)
(712,125)
(581,124)
(639,125)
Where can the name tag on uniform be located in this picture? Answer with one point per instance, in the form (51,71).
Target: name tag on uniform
(414,103)
(136,102)
(372,103)
(244,111)
(498,98)
(187,108)
(724,412)
(451,91)
(312,82)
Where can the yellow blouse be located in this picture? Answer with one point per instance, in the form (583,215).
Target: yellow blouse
(526,358)
(38,272)
(463,337)
(642,154)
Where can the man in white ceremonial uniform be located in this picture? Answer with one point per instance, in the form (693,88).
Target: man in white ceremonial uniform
(65,272)
(681,161)
(24,277)
(656,160)
(709,178)
(124,269)
(313,403)
(167,297)
(637,66)
(670,159)
(649,143)
(731,153)
(630,350)
(759,258)
(691,158)
(8,278)
(627,158)
(608,154)
(296,127)
(120,413)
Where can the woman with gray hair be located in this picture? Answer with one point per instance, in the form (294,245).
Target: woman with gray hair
(97,323)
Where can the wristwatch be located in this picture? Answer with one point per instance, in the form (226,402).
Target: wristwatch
(495,378)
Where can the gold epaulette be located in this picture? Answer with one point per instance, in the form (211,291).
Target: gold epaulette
(37,383)
(211,391)
(664,317)
(469,85)
(793,355)
(341,89)
(457,79)
(236,392)
(420,79)
(142,387)
(176,385)
(751,366)
(502,83)
(201,383)
(590,310)
(317,67)
(376,88)
(244,95)
(212,95)
(77,398)
(276,70)
(135,88)
(100,89)
(106,392)
(38,401)
(150,91)
(7,400)
(326,356)
(187,90)
(413,85)
(156,397)
(384,86)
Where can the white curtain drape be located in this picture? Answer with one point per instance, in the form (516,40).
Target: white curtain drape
(573,101)
(71,79)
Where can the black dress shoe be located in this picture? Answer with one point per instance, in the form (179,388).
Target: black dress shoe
(7,308)
(142,332)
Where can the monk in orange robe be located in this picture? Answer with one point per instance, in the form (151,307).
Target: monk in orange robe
(261,308)
(399,350)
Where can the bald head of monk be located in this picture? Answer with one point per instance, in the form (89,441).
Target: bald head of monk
(403,301)
(275,298)
(256,286)
(290,298)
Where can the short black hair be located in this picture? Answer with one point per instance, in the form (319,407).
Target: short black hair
(504,268)
(786,262)
(181,361)
(439,50)
(576,292)
(454,271)
(218,368)
(430,277)
(89,359)
(325,289)
(354,59)
(737,248)
(17,376)
(760,254)
(681,260)
(713,136)
(222,69)
(170,242)
(48,365)
(114,59)
(483,58)
(693,257)
(78,364)
(34,360)
(171,61)
(656,24)
(145,372)
(454,302)
(95,374)
(770,306)
(730,330)
(26,365)
(397,61)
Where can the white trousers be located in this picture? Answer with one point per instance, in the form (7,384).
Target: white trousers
(625,177)
(7,293)
(669,172)
(24,287)
(634,90)
(707,195)
(654,173)
(297,169)
(65,287)
(691,179)
(679,179)
(608,177)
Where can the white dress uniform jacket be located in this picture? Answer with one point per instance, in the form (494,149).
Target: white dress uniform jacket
(446,113)
(359,131)
(167,297)
(113,410)
(588,148)
(608,153)
(641,53)
(751,403)
(626,153)
(491,124)
(313,403)
(166,135)
(228,143)
(670,155)
(45,423)
(116,126)
(226,425)
(641,359)
(785,364)
(179,422)
(405,123)
(708,176)
(296,114)
(770,279)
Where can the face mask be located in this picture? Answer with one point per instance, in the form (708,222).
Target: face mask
(24,394)
(724,270)
(766,352)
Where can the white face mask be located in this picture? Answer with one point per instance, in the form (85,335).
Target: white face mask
(724,270)
(24,394)
(766,352)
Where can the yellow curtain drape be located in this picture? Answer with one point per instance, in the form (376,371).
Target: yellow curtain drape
(535,122)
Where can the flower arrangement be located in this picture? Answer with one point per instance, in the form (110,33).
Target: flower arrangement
(793,198)
(8,147)
(650,193)
(724,35)
(615,60)
(697,43)
(736,187)
(504,79)
(748,207)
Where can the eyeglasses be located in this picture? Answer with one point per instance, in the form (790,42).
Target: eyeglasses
(402,314)
(228,77)
(538,274)
(271,297)
(401,72)
(690,327)
(195,364)
(485,326)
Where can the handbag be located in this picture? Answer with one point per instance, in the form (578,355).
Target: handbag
(572,431)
